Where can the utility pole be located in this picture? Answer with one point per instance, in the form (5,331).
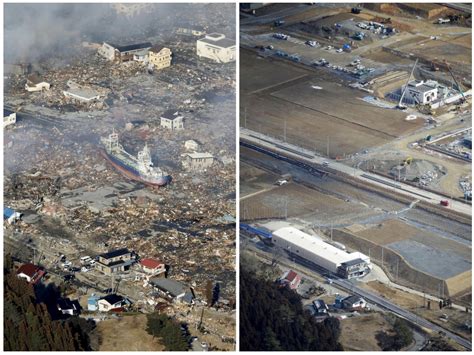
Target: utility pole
(398,260)
(327,148)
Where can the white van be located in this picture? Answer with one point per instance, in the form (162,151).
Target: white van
(85,260)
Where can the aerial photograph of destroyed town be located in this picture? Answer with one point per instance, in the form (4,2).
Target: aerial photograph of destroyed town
(119,177)
(355,176)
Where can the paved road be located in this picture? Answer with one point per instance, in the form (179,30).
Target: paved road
(411,317)
(292,151)
(461,7)
(25,115)
(371,298)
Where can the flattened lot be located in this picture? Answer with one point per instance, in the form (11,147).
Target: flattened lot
(429,252)
(278,99)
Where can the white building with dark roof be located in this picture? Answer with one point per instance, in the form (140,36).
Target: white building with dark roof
(123,53)
(217,47)
(172,119)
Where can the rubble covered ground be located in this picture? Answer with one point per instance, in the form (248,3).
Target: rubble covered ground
(74,203)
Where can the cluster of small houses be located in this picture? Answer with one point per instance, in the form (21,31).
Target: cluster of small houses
(117,261)
(319,309)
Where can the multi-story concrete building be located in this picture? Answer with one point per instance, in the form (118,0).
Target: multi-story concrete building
(216,47)
(159,57)
(421,92)
(198,161)
(172,119)
(114,261)
(122,53)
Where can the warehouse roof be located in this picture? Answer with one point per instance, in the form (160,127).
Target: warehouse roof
(174,288)
(315,245)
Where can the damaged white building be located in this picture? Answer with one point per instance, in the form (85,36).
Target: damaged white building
(217,47)
(198,161)
(35,83)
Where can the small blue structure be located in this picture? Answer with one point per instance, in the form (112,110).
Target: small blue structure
(338,302)
(258,231)
(92,303)
(10,215)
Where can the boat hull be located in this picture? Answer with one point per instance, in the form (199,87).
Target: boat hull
(134,175)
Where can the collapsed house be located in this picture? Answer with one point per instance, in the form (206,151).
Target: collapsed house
(9,117)
(81,93)
(191,145)
(35,83)
(216,47)
(173,290)
(197,31)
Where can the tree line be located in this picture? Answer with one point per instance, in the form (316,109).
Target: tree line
(273,318)
(29,326)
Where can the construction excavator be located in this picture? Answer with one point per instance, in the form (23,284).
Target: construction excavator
(407,161)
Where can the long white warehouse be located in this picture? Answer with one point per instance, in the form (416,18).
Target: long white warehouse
(315,250)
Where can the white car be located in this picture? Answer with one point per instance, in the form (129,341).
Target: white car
(282,182)
(84,269)
(339,50)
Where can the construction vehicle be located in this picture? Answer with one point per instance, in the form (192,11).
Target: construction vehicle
(434,67)
(443,20)
(455,81)
(400,103)
(407,161)
(358,36)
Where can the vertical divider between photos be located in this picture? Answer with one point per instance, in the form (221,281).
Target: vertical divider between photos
(237,172)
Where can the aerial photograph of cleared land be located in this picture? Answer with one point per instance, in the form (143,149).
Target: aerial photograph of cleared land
(355,176)
(119,177)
